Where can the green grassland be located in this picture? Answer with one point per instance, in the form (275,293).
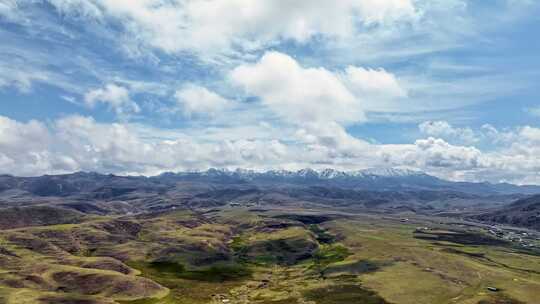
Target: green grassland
(234,255)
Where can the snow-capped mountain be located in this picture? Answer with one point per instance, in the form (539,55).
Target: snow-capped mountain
(389,172)
(327,174)
(376,179)
(379,179)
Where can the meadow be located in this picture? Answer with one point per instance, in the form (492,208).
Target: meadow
(236,255)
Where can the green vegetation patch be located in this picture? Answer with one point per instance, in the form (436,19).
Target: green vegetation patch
(354,268)
(343,294)
(327,255)
(331,254)
(306,219)
(190,286)
(239,247)
(214,273)
(282,251)
(322,235)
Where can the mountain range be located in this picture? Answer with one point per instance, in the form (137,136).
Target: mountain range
(524,212)
(378,179)
(387,179)
(382,190)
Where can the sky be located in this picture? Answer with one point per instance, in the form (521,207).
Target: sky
(140,87)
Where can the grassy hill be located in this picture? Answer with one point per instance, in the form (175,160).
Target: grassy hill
(237,255)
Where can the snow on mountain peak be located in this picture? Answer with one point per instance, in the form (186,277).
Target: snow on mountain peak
(390,172)
(322,174)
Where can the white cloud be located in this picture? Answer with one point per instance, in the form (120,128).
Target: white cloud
(497,136)
(297,94)
(8,10)
(317,101)
(445,130)
(205,25)
(25,136)
(25,149)
(105,147)
(298,20)
(374,83)
(196,100)
(438,157)
(123,148)
(435,152)
(331,141)
(83,8)
(20,77)
(115,97)
(81,143)
(379,90)
(530,134)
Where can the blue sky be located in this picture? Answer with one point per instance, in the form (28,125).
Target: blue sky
(141,87)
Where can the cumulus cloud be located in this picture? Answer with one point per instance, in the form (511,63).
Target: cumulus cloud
(115,97)
(320,102)
(332,142)
(289,89)
(239,23)
(379,90)
(32,135)
(438,157)
(435,152)
(530,134)
(298,20)
(496,136)
(25,149)
(299,95)
(122,148)
(195,100)
(446,130)
(81,143)
(374,83)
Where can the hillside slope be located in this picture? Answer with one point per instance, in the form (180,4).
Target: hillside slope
(524,213)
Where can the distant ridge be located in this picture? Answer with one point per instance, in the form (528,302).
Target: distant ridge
(376,179)
(308,172)
(524,212)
